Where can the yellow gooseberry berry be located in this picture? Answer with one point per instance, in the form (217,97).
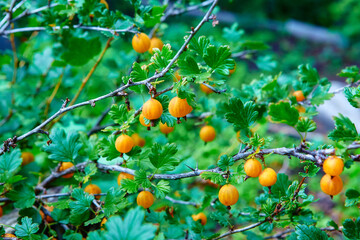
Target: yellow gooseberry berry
(207,133)
(300,109)
(155,43)
(64,166)
(331,185)
(152,110)
(333,166)
(145,199)
(27,157)
(138,141)
(231,71)
(93,189)
(205,89)
(267,177)
(141,42)
(165,129)
(179,108)
(228,195)
(124,143)
(124,175)
(8,235)
(177,76)
(238,136)
(142,121)
(299,95)
(200,216)
(48,218)
(252,167)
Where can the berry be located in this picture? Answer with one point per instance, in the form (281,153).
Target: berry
(48,218)
(27,157)
(299,96)
(105,3)
(238,136)
(103,221)
(267,177)
(155,43)
(206,89)
(300,109)
(331,185)
(179,108)
(124,143)
(152,109)
(165,129)
(124,175)
(93,189)
(207,133)
(177,76)
(333,166)
(138,141)
(231,71)
(142,121)
(8,235)
(200,216)
(64,166)
(141,42)
(252,167)
(145,199)
(228,195)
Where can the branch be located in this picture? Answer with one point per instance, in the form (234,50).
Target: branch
(354,84)
(218,91)
(239,230)
(92,102)
(181,202)
(282,234)
(242,53)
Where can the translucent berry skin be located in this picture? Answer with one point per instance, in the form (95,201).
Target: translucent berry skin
(207,133)
(268,177)
(27,157)
(145,199)
(333,166)
(141,42)
(152,109)
(155,43)
(93,189)
(205,89)
(200,216)
(331,185)
(252,167)
(64,166)
(179,107)
(299,95)
(228,195)
(142,120)
(124,176)
(124,143)
(165,129)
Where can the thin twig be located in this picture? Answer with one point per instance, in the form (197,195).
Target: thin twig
(251,226)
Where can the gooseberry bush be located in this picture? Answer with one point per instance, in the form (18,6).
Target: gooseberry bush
(134,123)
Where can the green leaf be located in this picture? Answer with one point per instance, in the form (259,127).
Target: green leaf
(120,114)
(218,58)
(306,125)
(266,63)
(239,114)
(72,235)
(312,170)
(344,130)
(216,178)
(64,147)
(351,229)
(162,188)
(27,228)
(129,186)
(131,228)
(106,148)
(95,220)
(199,45)
(161,59)
(162,157)
(188,94)
(23,196)
(61,215)
(221,218)
(78,51)
(254,45)
(225,162)
(90,170)
(308,75)
(352,198)
(282,112)
(10,161)
(305,232)
(282,184)
(353,96)
(351,73)
(114,201)
(80,207)
(321,93)
(138,74)
(142,179)
(153,18)
(188,67)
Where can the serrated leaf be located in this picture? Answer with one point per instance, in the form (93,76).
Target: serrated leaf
(306,125)
(345,130)
(23,196)
(129,186)
(225,162)
(280,187)
(221,218)
(80,207)
(186,93)
(188,67)
(27,228)
(162,157)
(138,74)
(239,114)
(161,59)
(114,200)
(162,188)
(199,45)
(352,197)
(216,178)
(305,232)
(352,73)
(353,96)
(142,179)
(120,114)
(282,112)
(351,229)
(308,75)
(9,162)
(312,170)
(106,148)
(64,147)
(218,58)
